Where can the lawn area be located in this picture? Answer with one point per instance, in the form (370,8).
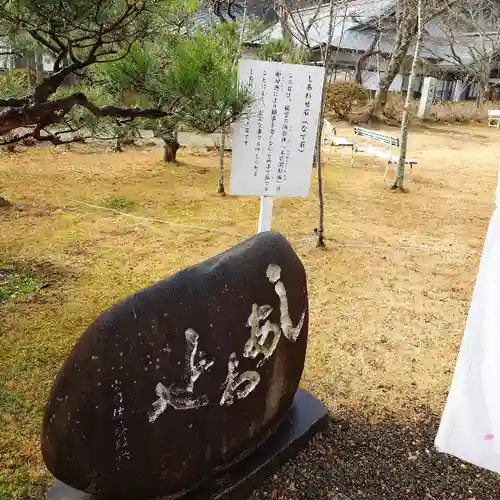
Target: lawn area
(388,298)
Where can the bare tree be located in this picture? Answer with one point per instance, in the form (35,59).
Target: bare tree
(401,21)
(470,40)
(298,20)
(398,181)
(299,23)
(369,52)
(327,60)
(406,19)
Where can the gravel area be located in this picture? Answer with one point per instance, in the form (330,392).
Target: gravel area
(389,461)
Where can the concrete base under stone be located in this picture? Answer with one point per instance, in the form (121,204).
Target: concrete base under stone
(306,417)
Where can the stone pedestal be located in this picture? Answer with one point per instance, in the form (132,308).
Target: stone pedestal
(306,417)
(428,92)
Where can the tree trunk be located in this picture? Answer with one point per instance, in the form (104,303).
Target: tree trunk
(405,34)
(317,161)
(360,63)
(221,189)
(39,66)
(118,146)
(170,147)
(319,169)
(400,172)
(398,181)
(482,95)
(71,79)
(387,78)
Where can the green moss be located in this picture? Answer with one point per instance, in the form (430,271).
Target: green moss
(14,283)
(119,202)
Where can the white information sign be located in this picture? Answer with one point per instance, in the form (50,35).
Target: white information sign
(273,145)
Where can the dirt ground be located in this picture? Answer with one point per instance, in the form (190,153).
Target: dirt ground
(388,298)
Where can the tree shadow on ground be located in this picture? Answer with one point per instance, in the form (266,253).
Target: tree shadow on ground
(387,461)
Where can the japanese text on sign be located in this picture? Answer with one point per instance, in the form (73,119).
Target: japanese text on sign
(273,144)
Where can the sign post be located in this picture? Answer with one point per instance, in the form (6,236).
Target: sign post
(266,213)
(273,144)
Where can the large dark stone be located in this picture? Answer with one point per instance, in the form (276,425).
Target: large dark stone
(183,378)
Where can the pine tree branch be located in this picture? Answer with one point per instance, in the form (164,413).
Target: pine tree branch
(53,138)
(52,112)
(50,84)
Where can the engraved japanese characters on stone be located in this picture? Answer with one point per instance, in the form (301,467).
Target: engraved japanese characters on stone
(181,398)
(264,338)
(249,380)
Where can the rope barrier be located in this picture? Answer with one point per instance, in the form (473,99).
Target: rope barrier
(240,235)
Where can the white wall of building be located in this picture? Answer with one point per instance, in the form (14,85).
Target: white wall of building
(371,79)
(5,62)
(48,63)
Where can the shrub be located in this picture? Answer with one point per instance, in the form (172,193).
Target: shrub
(461,111)
(16,82)
(341,97)
(394,106)
(126,133)
(441,111)
(281,51)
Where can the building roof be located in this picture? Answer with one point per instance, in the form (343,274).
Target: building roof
(354,28)
(448,48)
(355,24)
(349,19)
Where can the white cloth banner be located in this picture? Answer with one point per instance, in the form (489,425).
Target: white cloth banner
(470,426)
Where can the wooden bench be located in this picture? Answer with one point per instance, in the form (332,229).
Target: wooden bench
(494,118)
(386,154)
(330,136)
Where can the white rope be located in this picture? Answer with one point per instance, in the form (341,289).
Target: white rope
(402,247)
(240,235)
(161,221)
(383,247)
